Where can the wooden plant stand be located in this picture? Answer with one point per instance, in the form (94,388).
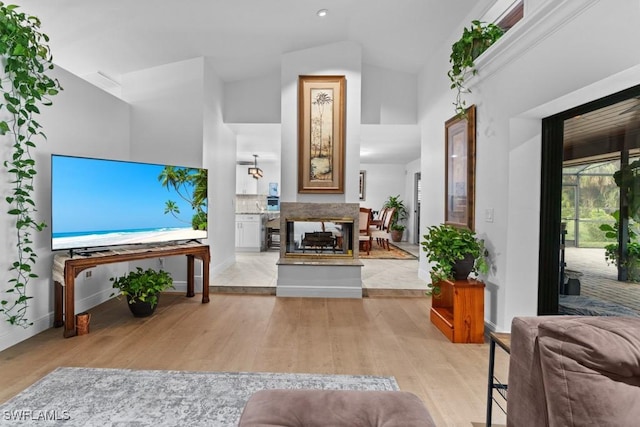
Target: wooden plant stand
(458,311)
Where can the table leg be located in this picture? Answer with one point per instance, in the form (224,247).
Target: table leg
(205,279)
(492,356)
(69,303)
(190,276)
(57,307)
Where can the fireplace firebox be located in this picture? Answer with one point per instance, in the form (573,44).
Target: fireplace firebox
(319,237)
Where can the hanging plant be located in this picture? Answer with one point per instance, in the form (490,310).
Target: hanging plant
(25,57)
(474,41)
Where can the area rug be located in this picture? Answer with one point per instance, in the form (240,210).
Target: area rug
(122,397)
(378,252)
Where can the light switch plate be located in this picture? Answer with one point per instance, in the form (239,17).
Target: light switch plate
(488,215)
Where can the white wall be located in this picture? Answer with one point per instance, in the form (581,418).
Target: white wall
(219,157)
(343,58)
(539,68)
(177,119)
(83,121)
(384,181)
(166,113)
(411,169)
(255,100)
(388,96)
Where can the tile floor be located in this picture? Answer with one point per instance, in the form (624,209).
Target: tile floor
(257,273)
(599,280)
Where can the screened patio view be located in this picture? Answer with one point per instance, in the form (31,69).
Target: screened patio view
(600,244)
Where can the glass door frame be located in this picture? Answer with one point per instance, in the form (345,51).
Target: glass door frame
(550,197)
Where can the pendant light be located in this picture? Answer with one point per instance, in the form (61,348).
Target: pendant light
(255,171)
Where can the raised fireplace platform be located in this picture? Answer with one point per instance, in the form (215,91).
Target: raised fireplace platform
(319,258)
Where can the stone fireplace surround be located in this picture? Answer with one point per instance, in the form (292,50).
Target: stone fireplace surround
(319,274)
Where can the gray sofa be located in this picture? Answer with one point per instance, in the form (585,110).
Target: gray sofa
(574,371)
(335,408)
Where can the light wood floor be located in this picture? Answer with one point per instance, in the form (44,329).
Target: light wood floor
(371,336)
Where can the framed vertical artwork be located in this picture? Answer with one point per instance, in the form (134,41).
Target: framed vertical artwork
(321,124)
(362,188)
(460,173)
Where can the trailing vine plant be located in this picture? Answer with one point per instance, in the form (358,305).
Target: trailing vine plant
(24,85)
(474,41)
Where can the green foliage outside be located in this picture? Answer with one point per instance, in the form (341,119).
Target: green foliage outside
(632,261)
(598,199)
(191,186)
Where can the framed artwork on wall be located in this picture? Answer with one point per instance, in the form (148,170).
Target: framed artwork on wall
(460,165)
(362,188)
(321,124)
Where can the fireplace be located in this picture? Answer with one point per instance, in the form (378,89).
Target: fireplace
(319,237)
(319,230)
(319,257)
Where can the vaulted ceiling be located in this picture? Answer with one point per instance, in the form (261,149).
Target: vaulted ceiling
(243,38)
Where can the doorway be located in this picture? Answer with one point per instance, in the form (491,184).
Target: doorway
(581,150)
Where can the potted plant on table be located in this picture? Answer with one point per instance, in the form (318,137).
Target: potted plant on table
(400,214)
(142,289)
(455,253)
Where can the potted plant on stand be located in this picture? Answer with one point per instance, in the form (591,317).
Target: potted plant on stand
(455,253)
(142,289)
(400,214)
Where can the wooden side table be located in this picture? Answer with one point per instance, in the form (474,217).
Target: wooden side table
(503,340)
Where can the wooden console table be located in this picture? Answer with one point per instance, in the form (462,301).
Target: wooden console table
(458,310)
(67,268)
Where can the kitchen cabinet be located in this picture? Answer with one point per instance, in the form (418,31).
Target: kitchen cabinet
(251,232)
(245,183)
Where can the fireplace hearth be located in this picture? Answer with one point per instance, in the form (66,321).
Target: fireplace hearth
(319,257)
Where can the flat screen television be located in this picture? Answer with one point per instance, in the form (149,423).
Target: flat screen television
(99,202)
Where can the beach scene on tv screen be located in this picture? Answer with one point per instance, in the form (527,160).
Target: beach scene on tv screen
(98,203)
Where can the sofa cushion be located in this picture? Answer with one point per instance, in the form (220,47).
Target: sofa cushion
(526,403)
(311,408)
(591,370)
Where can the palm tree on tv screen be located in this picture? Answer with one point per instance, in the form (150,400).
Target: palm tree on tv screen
(191,185)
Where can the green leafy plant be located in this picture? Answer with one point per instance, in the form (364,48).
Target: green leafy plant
(398,227)
(25,86)
(191,186)
(400,213)
(628,179)
(142,285)
(444,245)
(631,260)
(474,41)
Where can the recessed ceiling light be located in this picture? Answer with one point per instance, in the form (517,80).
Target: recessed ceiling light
(322,13)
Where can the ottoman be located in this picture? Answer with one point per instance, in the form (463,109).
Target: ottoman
(310,408)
